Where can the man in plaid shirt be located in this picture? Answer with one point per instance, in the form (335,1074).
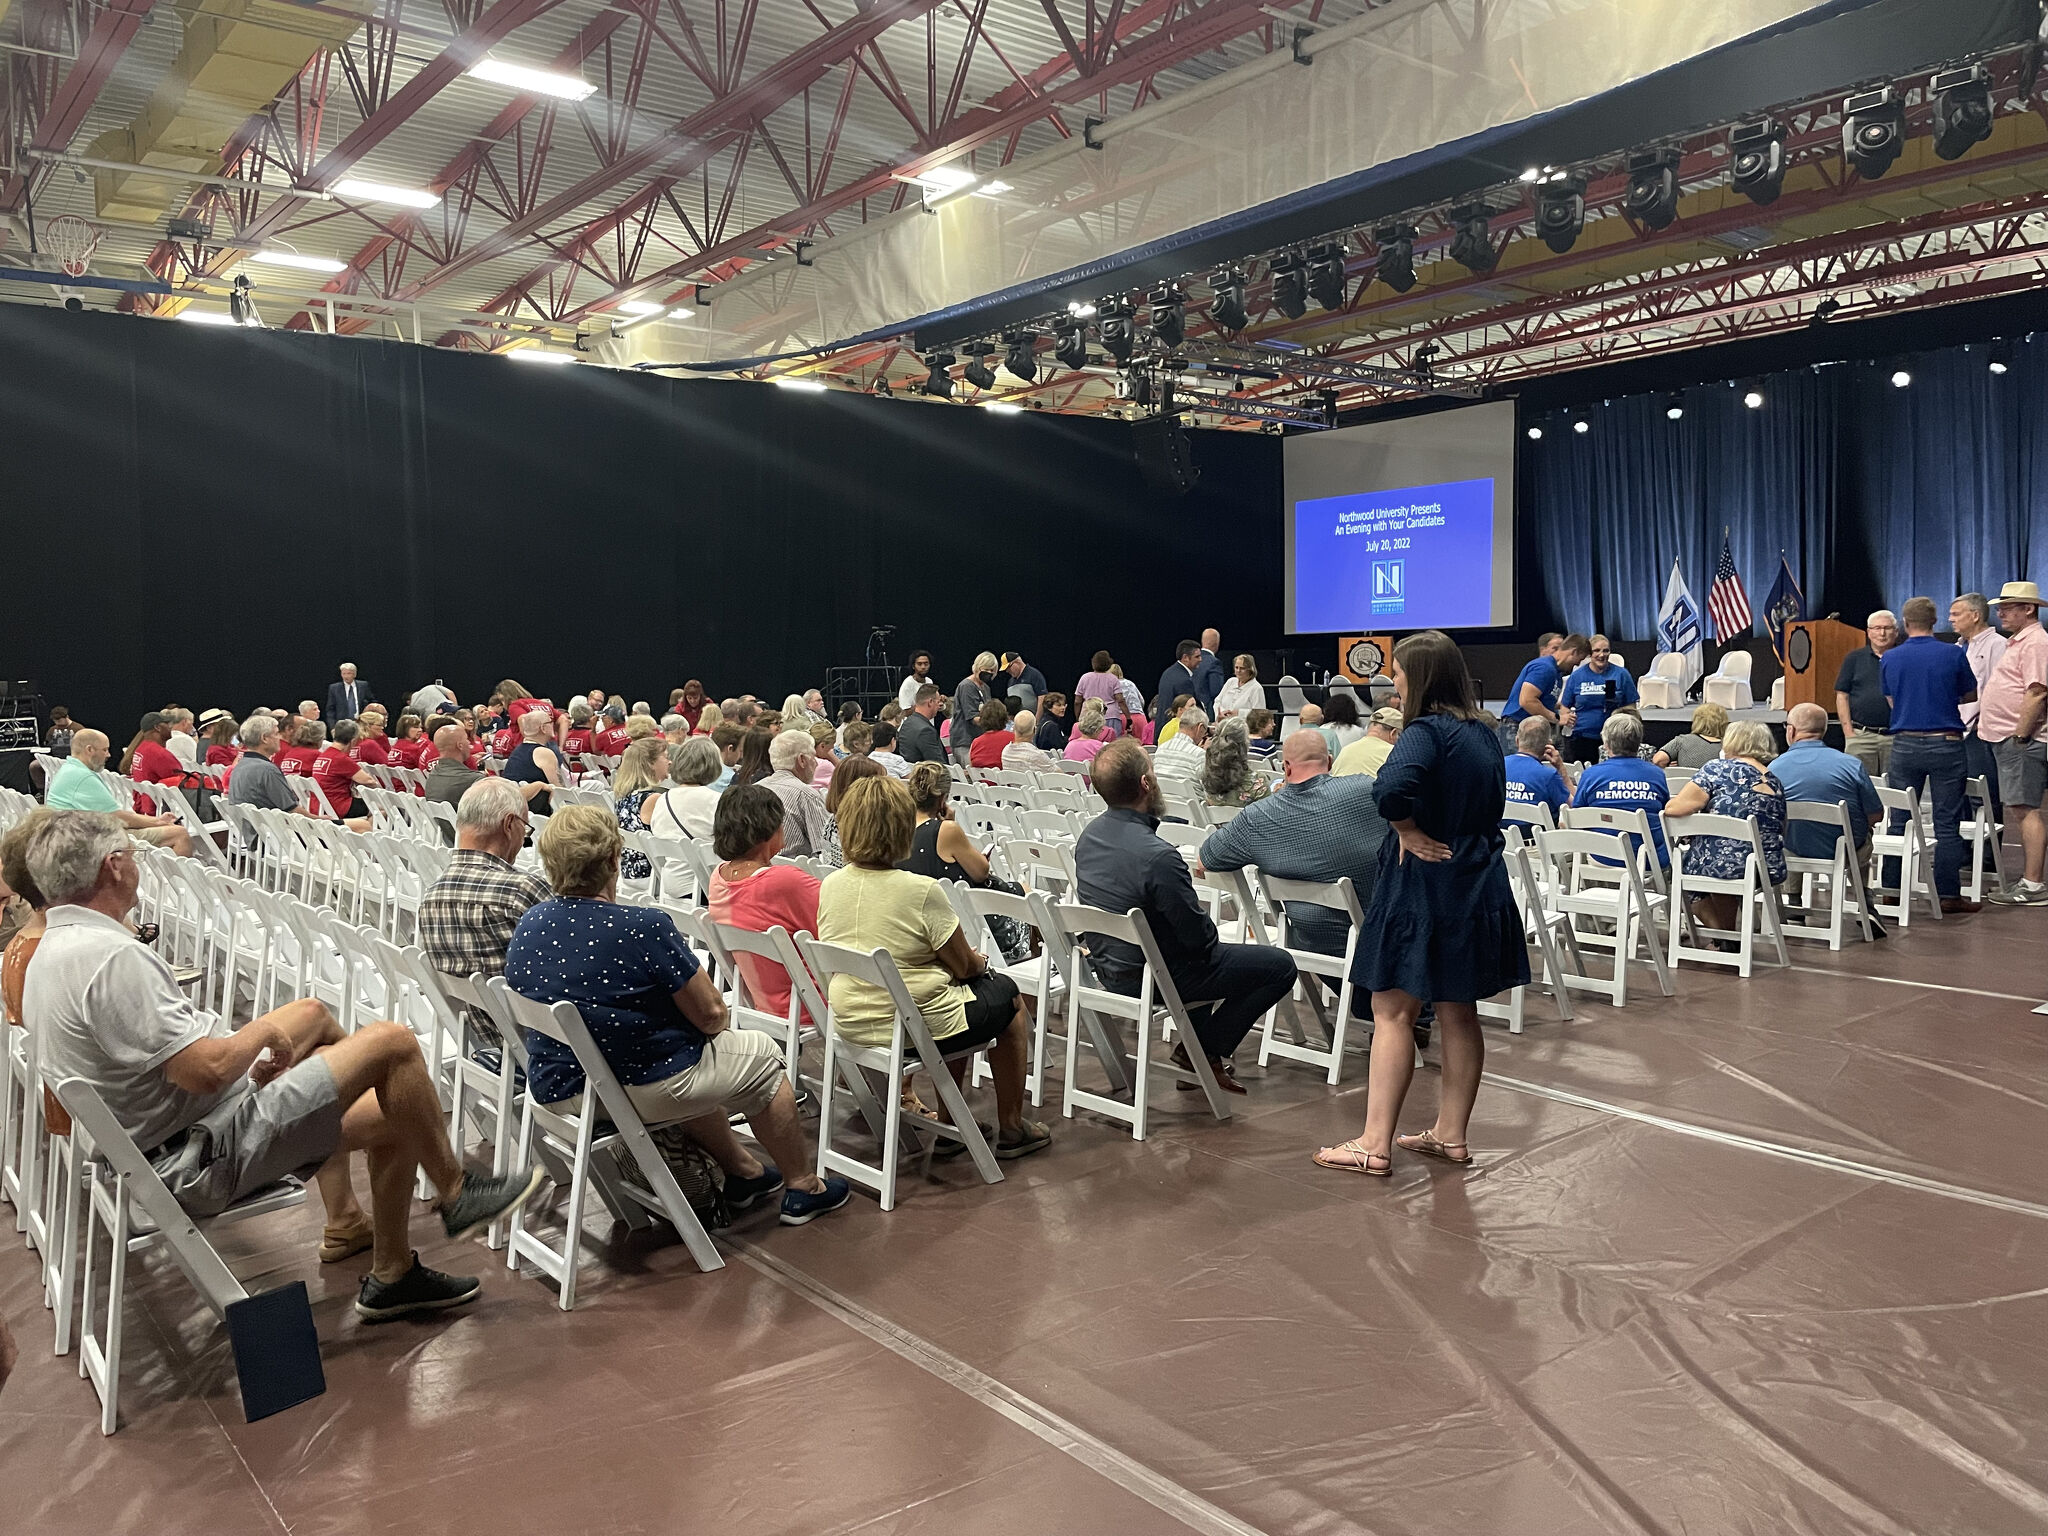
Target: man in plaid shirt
(467,916)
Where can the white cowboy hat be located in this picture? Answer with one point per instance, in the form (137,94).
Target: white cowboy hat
(2019,592)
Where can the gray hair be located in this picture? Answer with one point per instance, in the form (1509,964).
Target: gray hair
(580,712)
(1193,715)
(670,724)
(178,716)
(697,761)
(1748,738)
(1093,713)
(1882,613)
(306,704)
(1979,604)
(1226,762)
(256,730)
(66,852)
(790,748)
(640,708)
(486,805)
(1532,736)
(1622,735)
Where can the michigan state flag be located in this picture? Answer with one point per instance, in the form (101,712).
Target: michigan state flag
(1678,625)
(1785,605)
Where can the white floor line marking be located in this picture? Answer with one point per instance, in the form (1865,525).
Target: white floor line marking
(1777,1149)
(1935,986)
(1155,1488)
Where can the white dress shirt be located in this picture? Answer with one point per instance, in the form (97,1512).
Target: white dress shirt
(1984,647)
(184,748)
(1235,698)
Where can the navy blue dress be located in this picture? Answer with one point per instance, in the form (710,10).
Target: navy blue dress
(1448,932)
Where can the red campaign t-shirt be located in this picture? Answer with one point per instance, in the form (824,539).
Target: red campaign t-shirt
(429,755)
(373,749)
(476,754)
(504,742)
(295,760)
(987,751)
(578,740)
(155,764)
(334,770)
(520,707)
(221,757)
(612,741)
(406,754)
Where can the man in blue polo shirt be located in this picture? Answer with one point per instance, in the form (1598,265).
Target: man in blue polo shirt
(1533,778)
(1811,771)
(1927,683)
(1536,687)
(1595,690)
(1626,780)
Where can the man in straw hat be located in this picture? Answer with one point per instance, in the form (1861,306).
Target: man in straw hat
(2009,720)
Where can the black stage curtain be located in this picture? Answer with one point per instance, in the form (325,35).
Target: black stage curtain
(219,517)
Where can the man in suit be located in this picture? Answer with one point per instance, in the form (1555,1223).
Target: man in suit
(917,737)
(1176,680)
(1210,673)
(345,699)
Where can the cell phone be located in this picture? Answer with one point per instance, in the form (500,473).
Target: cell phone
(148,932)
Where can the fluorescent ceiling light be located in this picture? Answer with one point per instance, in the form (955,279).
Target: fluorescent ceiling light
(994,189)
(941,179)
(681,312)
(1001,407)
(542,82)
(809,386)
(382,192)
(303,263)
(640,307)
(541,355)
(207,316)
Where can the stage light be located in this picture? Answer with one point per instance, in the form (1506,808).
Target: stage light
(538,355)
(1652,197)
(1535,434)
(1227,308)
(1756,157)
(1003,407)
(1825,310)
(942,181)
(1079,310)
(1962,110)
(1119,335)
(1168,315)
(641,307)
(1327,279)
(379,192)
(977,372)
(1561,213)
(1020,355)
(2001,358)
(1675,411)
(1070,345)
(1290,285)
(938,381)
(1395,263)
(304,263)
(1901,379)
(1472,238)
(1582,425)
(1873,132)
(528,81)
(1753,400)
(207,317)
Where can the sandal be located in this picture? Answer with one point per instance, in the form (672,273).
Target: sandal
(343,1243)
(1351,1157)
(1425,1144)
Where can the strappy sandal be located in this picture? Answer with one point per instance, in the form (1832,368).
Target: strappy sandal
(1425,1144)
(337,1244)
(1351,1157)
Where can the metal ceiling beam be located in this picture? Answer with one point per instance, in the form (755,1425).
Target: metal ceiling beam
(112,31)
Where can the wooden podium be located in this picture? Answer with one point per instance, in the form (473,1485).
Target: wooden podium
(1814,649)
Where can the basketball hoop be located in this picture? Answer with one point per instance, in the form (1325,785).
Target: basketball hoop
(72,241)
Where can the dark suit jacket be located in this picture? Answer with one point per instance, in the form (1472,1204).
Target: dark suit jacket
(1175,679)
(917,740)
(1209,680)
(337,706)
(1122,862)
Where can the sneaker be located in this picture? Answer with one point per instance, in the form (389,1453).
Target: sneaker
(745,1194)
(800,1206)
(484,1197)
(419,1289)
(2021,894)
(1032,1136)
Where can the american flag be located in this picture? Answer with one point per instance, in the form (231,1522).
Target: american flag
(1727,603)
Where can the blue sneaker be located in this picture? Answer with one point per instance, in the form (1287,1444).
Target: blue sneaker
(745,1194)
(799,1207)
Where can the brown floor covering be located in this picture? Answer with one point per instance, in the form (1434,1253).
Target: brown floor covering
(1609,1325)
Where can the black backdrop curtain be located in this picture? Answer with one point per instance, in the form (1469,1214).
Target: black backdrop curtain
(1874,493)
(222,517)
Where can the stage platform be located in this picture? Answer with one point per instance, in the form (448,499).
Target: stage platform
(1765,1256)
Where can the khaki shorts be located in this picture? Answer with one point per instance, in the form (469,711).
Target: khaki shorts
(739,1071)
(156,837)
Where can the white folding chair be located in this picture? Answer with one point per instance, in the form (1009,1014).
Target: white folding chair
(1758,897)
(575,1135)
(1037,976)
(1337,896)
(1839,876)
(1550,928)
(910,1046)
(1981,834)
(1593,884)
(1903,836)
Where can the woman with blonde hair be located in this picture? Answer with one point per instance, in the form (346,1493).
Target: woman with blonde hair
(642,771)
(1699,746)
(1738,783)
(977,688)
(1244,692)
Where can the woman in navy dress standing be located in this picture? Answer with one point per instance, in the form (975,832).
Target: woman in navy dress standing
(1443,926)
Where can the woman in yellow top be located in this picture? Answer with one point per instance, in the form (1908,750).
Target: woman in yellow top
(871,904)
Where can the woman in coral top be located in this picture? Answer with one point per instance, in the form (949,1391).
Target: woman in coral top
(750,891)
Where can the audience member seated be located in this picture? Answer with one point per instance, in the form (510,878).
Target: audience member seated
(610,739)
(1812,771)
(1171,728)
(257,780)
(1123,863)
(148,760)
(856,739)
(849,714)
(675,730)
(334,768)
(728,738)
(659,1021)
(302,744)
(534,761)
(1243,692)
(21,931)
(849,771)
(221,1112)
(1091,733)
(79,787)
(1023,754)
(750,891)
(1264,727)
(1181,755)
(1313,827)
(1369,753)
(1535,771)
(1623,781)
(220,728)
(1738,783)
(822,760)
(691,804)
(449,779)
(872,904)
(917,738)
(1340,725)
(992,736)
(940,848)
(182,741)
(408,743)
(1699,746)
(794,758)
(1227,777)
(882,748)
(638,785)
(372,746)
(468,915)
(754,765)
(581,736)
(1050,737)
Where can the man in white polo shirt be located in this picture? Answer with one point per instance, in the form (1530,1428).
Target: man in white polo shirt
(221,1112)
(2009,719)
